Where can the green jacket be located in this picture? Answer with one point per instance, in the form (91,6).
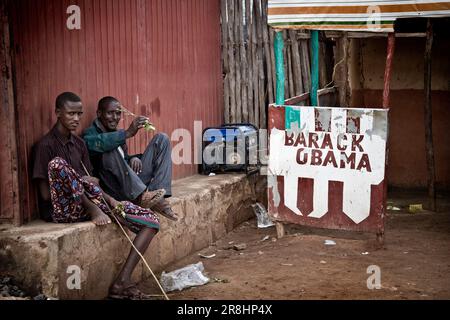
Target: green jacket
(99,142)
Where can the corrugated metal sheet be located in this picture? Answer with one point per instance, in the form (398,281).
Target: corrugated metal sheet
(328,169)
(369,15)
(159,57)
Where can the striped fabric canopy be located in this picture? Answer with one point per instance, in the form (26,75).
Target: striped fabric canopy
(350,15)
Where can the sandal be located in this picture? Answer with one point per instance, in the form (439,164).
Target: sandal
(164,209)
(131,293)
(150,198)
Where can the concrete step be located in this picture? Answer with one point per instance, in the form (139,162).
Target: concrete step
(46,257)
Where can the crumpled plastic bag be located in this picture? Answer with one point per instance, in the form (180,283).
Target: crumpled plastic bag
(189,276)
(262,216)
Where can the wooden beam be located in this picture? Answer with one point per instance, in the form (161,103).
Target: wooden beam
(296,65)
(429,147)
(388,70)
(250,18)
(267,53)
(296,100)
(226,69)
(362,35)
(237,38)
(305,65)
(231,61)
(324,91)
(243,63)
(341,55)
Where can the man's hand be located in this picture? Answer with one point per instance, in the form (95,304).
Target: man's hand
(91,179)
(136,164)
(138,123)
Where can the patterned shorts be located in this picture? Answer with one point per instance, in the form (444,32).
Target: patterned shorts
(67,188)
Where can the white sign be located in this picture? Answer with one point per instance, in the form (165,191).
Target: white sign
(331,144)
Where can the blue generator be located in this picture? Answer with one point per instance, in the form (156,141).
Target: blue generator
(230,147)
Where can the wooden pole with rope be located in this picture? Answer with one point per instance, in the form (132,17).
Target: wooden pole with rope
(131,242)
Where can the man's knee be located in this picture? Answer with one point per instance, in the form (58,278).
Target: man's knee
(162,139)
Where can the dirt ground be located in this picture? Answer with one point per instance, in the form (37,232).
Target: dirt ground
(414,263)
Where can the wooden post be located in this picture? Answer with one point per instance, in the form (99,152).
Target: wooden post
(279,65)
(272,58)
(226,70)
(341,77)
(237,37)
(388,69)
(250,56)
(255,66)
(285,64)
(296,65)
(429,147)
(231,63)
(290,76)
(262,23)
(386,90)
(267,53)
(280,229)
(305,65)
(314,66)
(244,65)
(9,161)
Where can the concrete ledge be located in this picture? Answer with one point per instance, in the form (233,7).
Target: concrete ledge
(39,254)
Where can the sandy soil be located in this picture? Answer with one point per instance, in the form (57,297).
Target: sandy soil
(414,263)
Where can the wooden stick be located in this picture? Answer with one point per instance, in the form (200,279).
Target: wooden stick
(237,30)
(268,54)
(262,23)
(388,70)
(226,69)
(255,67)
(322,65)
(296,65)
(250,57)
(231,61)
(244,65)
(341,76)
(129,240)
(306,71)
(289,68)
(285,64)
(272,58)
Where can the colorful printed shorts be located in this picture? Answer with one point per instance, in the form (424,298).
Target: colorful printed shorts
(66,189)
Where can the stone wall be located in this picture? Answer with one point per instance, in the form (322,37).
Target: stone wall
(39,254)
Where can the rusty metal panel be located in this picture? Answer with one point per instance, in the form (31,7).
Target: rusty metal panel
(327,167)
(159,57)
(9,202)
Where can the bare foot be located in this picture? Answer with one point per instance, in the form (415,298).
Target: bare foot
(98,217)
(127,292)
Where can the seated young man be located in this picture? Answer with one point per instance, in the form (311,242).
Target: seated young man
(123,176)
(68,194)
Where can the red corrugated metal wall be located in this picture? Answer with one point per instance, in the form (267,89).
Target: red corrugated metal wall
(161,58)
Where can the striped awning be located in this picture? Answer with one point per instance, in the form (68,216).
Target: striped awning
(350,15)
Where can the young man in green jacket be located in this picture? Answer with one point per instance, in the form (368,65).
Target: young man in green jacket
(124,176)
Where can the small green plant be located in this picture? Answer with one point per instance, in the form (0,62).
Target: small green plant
(147,126)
